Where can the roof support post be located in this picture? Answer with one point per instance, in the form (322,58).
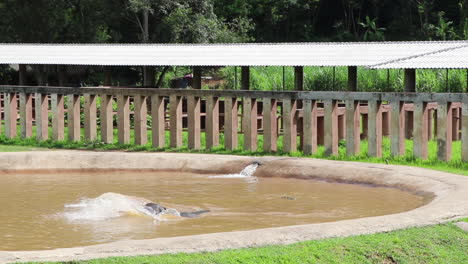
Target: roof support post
(352,78)
(197,77)
(107,76)
(410,80)
(299,78)
(245,78)
(22,74)
(62,75)
(148,76)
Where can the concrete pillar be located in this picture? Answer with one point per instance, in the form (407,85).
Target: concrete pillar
(352,78)
(270,125)
(212,122)
(141,110)
(249,123)
(230,123)
(197,77)
(353,127)
(310,127)
(107,120)
(397,128)
(331,127)
(62,75)
(90,114)
(194,141)
(245,78)
(11,115)
(410,80)
(444,133)
(464,137)
(159,121)
(123,119)
(299,78)
(26,115)
(74,126)
(149,73)
(375,128)
(23,80)
(41,105)
(419,133)
(175,103)
(58,122)
(289,125)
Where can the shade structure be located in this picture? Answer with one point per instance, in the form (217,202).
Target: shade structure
(281,54)
(450,58)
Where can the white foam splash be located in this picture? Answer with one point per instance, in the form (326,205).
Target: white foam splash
(111,205)
(247,172)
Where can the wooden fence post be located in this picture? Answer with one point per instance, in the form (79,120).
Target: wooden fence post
(57,117)
(159,121)
(90,117)
(353,128)
(310,127)
(123,118)
(375,128)
(194,133)
(212,122)
(444,133)
(249,123)
(73,111)
(11,115)
(419,129)
(397,129)
(289,125)
(230,123)
(141,110)
(331,127)
(107,120)
(26,115)
(270,125)
(41,103)
(464,138)
(176,120)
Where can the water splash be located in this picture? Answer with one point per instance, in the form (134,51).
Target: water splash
(112,205)
(247,172)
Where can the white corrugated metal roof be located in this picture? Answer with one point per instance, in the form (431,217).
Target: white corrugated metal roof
(451,58)
(288,54)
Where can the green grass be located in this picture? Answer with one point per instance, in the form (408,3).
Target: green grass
(15,148)
(444,243)
(454,166)
(321,79)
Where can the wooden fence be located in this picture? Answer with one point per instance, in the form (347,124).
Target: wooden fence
(302,120)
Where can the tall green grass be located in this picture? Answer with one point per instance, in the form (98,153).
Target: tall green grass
(335,79)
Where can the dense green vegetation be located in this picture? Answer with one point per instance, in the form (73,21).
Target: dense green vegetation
(443,243)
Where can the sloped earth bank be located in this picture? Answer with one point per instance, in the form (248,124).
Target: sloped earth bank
(446,194)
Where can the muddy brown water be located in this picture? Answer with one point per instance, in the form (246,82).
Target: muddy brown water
(38,211)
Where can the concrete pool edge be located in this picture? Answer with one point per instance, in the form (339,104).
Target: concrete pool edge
(450,199)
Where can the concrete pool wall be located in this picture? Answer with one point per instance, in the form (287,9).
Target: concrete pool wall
(446,194)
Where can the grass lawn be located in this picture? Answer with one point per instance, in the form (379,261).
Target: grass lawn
(444,243)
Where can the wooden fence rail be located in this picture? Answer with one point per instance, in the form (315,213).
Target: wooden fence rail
(301,120)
